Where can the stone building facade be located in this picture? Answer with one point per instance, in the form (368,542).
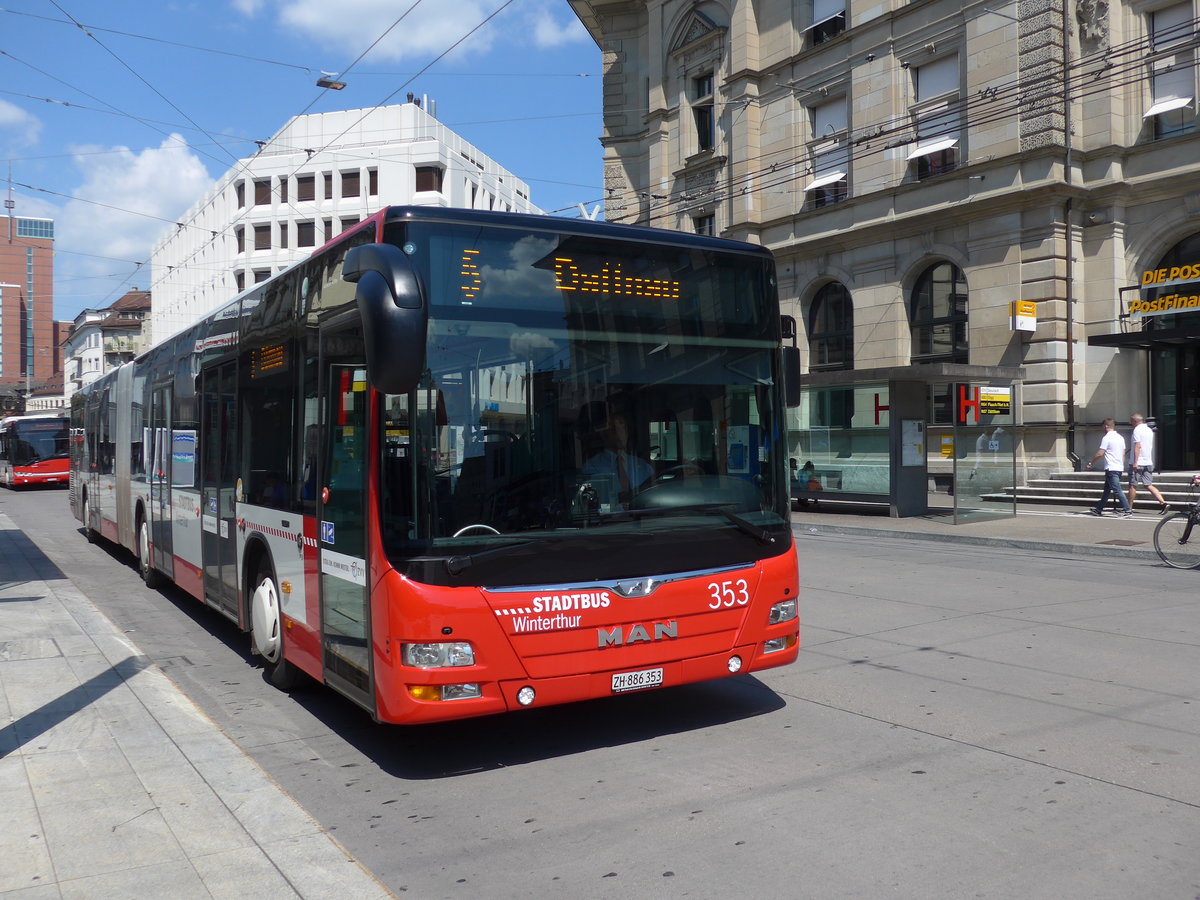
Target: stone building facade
(917,167)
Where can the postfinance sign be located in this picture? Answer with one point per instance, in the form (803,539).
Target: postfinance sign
(1168,302)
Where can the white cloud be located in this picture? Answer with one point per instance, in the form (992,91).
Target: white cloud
(121,202)
(553,30)
(349,26)
(19,128)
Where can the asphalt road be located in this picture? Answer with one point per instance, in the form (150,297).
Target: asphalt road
(963,722)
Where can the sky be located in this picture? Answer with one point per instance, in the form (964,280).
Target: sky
(117,116)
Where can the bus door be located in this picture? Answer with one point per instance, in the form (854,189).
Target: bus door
(218,480)
(341,512)
(158,469)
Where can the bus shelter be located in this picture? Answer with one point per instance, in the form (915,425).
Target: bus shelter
(919,439)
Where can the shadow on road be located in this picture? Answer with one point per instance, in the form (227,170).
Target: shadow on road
(475,745)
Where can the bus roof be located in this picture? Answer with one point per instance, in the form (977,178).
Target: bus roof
(581,227)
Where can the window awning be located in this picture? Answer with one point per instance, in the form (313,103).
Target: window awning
(837,15)
(1166,106)
(935,146)
(831,178)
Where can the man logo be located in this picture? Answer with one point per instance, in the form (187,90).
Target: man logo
(637,634)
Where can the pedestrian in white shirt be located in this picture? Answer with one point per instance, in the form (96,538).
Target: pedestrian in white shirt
(1112,451)
(1141,461)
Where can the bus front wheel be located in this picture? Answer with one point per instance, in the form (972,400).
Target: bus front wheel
(266,622)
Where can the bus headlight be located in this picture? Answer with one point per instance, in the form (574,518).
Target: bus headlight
(440,655)
(782,612)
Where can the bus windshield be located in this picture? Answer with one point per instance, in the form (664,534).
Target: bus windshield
(36,440)
(580,396)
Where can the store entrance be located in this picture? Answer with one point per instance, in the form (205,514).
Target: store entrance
(1175,386)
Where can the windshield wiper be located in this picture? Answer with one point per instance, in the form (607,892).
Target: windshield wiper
(759,534)
(456,565)
(742,524)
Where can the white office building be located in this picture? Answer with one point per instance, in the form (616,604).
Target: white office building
(319,175)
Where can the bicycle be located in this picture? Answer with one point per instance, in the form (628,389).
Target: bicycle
(1177,537)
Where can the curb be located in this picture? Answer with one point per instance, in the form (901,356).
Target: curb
(1057,547)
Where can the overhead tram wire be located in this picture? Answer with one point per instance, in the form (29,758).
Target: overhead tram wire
(149,123)
(378,105)
(359,58)
(244,167)
(158,40)
(135,73)
(1016,94)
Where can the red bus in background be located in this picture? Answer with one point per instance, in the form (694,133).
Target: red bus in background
(461,462)
(34,449)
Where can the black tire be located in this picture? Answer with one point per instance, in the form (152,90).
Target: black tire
(1167,541)
(278,671)
(151,577)
(88,531)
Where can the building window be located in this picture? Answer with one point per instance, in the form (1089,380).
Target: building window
(327,185)
(936,117)
(351,184)
(283,235)
(939,315)
(347,224)
(262,237)
(831,330)
(1171,26)
(306,186)
(372,182)
(702,111)
(705,225)
(306,234)
(283,189)
(261,275)
(239,279)
(829,153)
(262,192)
(429,178)
(829,20)
(1172,75)
(239,190)
(826,190)
(239,234)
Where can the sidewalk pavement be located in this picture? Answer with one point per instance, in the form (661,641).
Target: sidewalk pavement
(113,784)
(1053,529)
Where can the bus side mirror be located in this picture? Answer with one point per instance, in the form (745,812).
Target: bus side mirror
(395,315)
(791,376)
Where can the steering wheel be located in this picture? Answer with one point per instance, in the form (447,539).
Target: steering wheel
(681,469)
(477,527)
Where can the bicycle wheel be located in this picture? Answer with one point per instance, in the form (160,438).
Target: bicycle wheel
(1169,543)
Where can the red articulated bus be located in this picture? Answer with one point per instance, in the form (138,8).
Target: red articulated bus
(33,450)
(461,462)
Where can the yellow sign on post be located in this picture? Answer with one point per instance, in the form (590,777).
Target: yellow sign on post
(1024,315)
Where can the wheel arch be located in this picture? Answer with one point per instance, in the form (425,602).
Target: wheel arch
(253,557)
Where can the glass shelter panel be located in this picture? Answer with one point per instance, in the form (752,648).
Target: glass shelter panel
(985,441)
(838,443)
